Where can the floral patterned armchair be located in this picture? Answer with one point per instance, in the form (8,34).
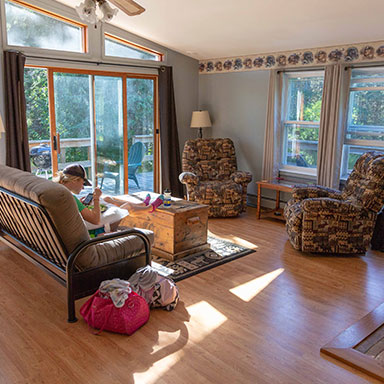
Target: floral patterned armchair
(211,176)
(320,219)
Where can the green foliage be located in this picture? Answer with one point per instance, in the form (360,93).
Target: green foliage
(304,104)
(29,28)
(36,96)
(72,107)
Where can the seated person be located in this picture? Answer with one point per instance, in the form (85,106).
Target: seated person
(74,178)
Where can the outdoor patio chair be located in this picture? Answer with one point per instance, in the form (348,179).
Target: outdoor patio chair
(135,157)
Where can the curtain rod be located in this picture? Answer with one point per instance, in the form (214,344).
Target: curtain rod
(300,69)
(365,65)
(92,62)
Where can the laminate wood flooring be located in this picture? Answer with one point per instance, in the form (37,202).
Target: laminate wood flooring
(259,319)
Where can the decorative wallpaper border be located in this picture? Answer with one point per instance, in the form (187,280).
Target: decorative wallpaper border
(355,53)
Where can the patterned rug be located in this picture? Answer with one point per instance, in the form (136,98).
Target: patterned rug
(221,252)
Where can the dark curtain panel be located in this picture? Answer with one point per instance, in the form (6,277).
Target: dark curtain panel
(17,155)
(169,138)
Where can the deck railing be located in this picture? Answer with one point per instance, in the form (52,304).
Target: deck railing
(65,144)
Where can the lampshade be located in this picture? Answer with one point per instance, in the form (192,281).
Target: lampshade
(200,119)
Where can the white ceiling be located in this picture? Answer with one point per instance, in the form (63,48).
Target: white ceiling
(206,29)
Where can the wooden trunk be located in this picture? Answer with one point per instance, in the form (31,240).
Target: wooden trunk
(180,230)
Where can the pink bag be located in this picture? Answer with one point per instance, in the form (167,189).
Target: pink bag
(100,313)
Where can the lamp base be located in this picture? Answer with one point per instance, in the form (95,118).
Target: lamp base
(200,133)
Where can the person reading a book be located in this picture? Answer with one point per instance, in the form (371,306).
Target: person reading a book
(74,178)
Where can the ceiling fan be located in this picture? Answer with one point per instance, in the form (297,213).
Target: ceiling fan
(89,10)
(130,7)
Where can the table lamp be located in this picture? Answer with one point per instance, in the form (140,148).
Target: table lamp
(200,119)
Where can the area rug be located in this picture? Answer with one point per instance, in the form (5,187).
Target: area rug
(222,251)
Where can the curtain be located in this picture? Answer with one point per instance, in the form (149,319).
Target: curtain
(332,124)
(169,138)
(271,157)
(17,149)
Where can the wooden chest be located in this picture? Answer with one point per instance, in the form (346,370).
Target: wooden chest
(180,230)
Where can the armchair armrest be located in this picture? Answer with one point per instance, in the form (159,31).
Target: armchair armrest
(324,205)
(301,192)
(188,178)
(241,177)
(109,238)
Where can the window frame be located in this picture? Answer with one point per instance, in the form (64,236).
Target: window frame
(292,170)
(360,144)
(130,44)
(136,40)
(56,14)
(124,75)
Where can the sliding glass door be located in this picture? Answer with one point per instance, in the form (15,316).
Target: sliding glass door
(141,133)
(71,136)
(104,121)
(109,134)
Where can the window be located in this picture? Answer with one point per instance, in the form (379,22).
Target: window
(365,124)
(301,120)
(30,26)
(115,46)
(103,120)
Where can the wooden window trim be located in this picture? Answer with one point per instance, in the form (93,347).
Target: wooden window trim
(159,55)
(84,27)
(124,77)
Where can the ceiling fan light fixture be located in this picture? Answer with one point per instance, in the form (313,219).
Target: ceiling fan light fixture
(87,11)
(107,11)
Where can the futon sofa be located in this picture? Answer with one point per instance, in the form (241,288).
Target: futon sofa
(40,220)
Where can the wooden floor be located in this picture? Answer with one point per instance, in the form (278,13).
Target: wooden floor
(259,319)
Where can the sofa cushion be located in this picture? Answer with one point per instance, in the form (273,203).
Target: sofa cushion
(55,198)
(113,250)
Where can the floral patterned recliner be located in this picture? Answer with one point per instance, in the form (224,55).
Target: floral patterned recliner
(211,176)
(320,219)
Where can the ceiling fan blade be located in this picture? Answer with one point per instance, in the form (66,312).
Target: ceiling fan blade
(129,7)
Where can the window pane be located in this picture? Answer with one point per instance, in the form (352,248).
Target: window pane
(301,145)
(72,110)
(140,99)
(365,129)
(36,97)
(115,48)
(367,78)
(351,153)
(109,134)
(29,28)
(304,98)
(366,115)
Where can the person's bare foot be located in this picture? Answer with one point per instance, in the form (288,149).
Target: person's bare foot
(108,199)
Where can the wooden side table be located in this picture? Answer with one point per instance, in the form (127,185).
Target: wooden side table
(274,185)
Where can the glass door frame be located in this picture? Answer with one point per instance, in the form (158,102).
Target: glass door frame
(55,139)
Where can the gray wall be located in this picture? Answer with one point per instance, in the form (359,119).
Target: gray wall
(237,103)
(186,86)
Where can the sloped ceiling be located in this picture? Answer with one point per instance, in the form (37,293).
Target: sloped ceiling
(206,29)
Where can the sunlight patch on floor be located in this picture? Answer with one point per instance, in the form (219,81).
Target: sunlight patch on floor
(158,368)
(234,239)
(242,242)
(205,318)
(249,290)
